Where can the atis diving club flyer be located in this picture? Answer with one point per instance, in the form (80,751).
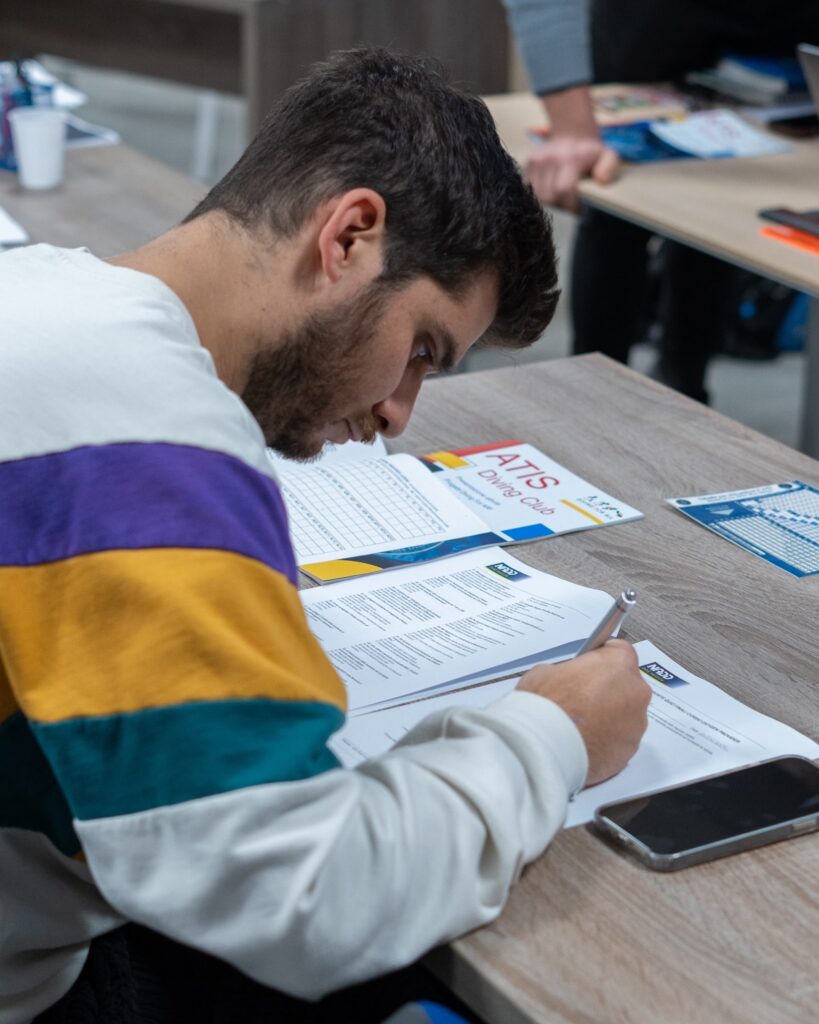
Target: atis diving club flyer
(360,517)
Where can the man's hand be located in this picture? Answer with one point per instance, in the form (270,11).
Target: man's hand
(558,165)
(573,151)
(606,698)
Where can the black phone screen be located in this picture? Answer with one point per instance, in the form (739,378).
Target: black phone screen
(716,809)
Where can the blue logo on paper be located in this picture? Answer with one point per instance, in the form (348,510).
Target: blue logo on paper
(508,573)
(662,675)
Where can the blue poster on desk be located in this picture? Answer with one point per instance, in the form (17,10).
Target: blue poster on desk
(777,522)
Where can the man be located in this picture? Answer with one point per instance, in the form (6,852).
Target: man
(164,707)
(566,45)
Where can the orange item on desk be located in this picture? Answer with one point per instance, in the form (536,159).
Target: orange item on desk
(790,236)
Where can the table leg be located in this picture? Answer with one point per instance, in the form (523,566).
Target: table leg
(810,408)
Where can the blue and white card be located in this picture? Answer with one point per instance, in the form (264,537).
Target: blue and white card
(777,522)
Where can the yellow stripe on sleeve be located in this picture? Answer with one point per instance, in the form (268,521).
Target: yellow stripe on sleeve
(121,630)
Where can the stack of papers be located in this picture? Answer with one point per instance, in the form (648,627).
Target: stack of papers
(461,631)
(694,729)
(435,628)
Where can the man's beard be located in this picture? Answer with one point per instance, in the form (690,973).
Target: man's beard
(308,380)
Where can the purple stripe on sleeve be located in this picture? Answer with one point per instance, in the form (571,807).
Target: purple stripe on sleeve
(131,496)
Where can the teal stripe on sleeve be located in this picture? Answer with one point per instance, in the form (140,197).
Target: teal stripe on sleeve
(30,796)
(119,764)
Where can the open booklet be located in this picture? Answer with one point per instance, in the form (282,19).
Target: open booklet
(355,517)
(444,625)
(694,730)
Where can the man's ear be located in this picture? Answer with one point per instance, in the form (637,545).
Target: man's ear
(351,238)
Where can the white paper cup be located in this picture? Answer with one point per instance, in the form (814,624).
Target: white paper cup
(38,134)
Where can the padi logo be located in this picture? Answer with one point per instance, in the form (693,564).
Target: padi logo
(662,675)
(508,573)
(603,506)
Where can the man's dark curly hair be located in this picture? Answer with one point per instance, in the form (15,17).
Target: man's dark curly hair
(456,203)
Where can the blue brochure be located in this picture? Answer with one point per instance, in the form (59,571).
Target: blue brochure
(777,522)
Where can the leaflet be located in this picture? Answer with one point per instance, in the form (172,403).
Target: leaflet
(361,517)
(694,730)
(712,134)
(437,627)
(776,522)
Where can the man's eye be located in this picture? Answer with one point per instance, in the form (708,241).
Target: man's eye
(425,354)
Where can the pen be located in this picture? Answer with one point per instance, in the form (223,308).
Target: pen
(610,621)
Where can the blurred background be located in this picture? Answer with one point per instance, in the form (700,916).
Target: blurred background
(201,131)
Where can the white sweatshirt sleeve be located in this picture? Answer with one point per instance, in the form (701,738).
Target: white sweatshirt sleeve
(313,885)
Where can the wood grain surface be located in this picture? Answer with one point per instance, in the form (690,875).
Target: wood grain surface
(713,205)
(589,935)
(113,199)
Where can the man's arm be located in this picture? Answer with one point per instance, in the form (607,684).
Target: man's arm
(553,37)
(160,652)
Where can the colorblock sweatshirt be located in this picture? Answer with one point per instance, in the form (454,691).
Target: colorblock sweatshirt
(164,707)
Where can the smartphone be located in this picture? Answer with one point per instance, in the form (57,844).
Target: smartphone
(713,817)
(806,220)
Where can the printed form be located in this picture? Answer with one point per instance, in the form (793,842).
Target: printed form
(375,504)
(694,730)
(437,626)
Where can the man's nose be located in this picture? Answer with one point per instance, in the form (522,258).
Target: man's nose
(393,413)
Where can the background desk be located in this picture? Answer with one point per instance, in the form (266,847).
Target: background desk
(256,47)
(589,935)
(711,205)
(113,199)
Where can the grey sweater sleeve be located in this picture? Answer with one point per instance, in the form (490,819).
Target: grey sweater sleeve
(553,39)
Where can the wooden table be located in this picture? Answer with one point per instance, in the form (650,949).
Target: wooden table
(113,199)
(255,47)
(589,936)
(710,205)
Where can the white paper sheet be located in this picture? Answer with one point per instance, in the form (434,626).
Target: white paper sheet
(694,730)
(445,624)
(717,133)
(369,735)
(11,233)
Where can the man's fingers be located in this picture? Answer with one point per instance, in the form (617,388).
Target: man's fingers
(555,168)
(566,181)
(607,167)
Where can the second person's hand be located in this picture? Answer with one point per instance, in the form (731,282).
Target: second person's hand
(558,165)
